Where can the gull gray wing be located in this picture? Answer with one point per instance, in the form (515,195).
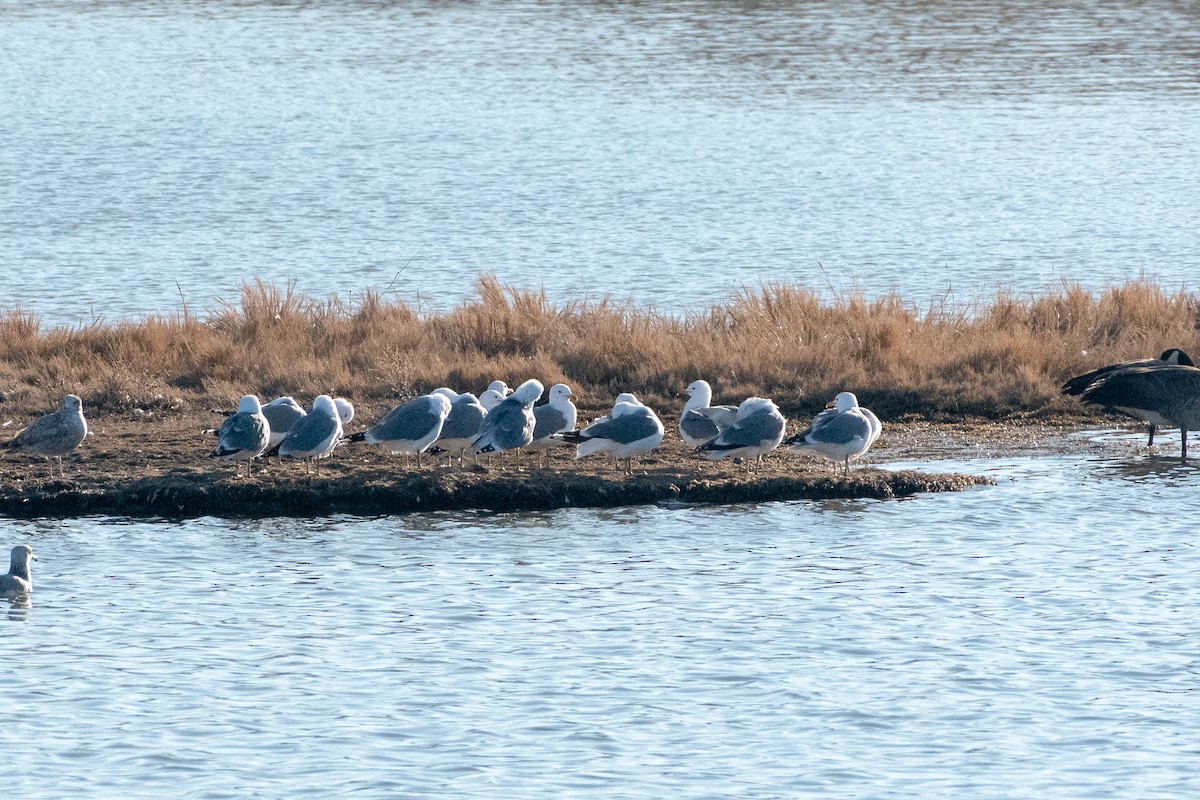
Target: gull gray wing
(624,429)
(466,418)
(752,430)
(507,426)
(309,433)
(840,427)
(697,426)
(407,422)
(547,420)
(242,432)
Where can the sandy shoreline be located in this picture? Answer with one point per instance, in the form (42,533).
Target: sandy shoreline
(157,465)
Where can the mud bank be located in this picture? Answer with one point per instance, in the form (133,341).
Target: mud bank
(159,467)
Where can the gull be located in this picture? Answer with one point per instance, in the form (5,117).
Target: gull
(494,395)
(552,419)
(509,426)
(345,410)
(1173,356)
(757,430)
(55,434)
(315,434)
(17,582)
(462,424)
(1164,395)
(701,421)
(630,430)
(244,435)
(841,432)
(411,427)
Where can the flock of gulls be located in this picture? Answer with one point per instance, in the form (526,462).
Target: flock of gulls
(502,419)
(1164,391)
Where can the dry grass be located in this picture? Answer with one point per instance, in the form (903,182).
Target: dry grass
(994,359)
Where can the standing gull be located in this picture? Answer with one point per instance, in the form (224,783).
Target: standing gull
(1174,357)
(841,432)
(630,430)
(757,430)
(1164,395)
(315,434)
(552,419)
(701,421)
(462,425)
(55,434)
(244,435)
(17,582)
(410,427)
(509,426)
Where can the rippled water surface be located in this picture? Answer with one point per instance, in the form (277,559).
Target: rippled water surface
(161,152)
(1036,639)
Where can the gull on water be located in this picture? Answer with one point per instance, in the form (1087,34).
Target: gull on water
(552,419)
(1173,357)
(18,582)
(462,425)
(844,430)
(509,426)
(1163,395)
(701,421)
(315,434)
(411,427)
(756,431)
(630,430)
(55,434)
(244,435)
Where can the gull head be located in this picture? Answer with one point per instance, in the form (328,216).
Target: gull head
(700,391)
(324,404)
(844,401)
(249,405)
(528,392)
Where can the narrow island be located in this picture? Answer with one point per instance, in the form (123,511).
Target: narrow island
(937,377)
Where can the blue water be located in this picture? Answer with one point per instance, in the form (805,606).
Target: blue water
(157,154)
(1035,639)
(1031,640)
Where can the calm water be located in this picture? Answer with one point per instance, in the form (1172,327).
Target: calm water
(1032,640)
(159,152)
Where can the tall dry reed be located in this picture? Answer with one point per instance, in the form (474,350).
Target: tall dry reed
(996,358)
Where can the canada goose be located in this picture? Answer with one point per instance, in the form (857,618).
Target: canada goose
(1174,357)
(1163,395)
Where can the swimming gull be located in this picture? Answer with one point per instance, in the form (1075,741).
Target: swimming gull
(630,430)
(696,427)
(757,430)
(462,424)
(55,434)
(841,432)
(1163,395)
(315,434)
(557,415)
(1173,356)
(244,435)
(18,582)
(411,427)
(509,426)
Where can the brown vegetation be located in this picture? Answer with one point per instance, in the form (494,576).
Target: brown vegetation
(990,360)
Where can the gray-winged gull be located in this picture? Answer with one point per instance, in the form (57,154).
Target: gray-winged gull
(700,421)
(551,419)
(244,435)
(462,425)
(55,434)
(1165,395)
(630,430)
(411,427)
(757,430)
(1173,357)
(315,434)
(18,581)
(509,426)
(840,432)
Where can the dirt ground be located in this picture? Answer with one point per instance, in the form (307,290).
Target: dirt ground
(157,464)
